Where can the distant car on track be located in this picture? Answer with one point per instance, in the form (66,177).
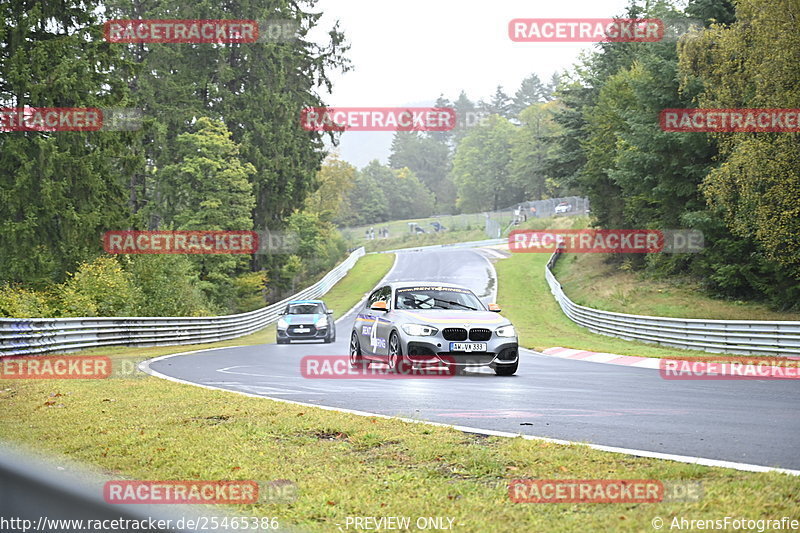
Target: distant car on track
(432,324)
(306,320)
(563,207)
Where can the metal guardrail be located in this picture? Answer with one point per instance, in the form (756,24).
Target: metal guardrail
(26,336)
(747,337)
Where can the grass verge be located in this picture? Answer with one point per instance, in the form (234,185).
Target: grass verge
(426,239)
(589,280)
(349,290)
(149,428)
(527,301)
(146,428)
(361,279)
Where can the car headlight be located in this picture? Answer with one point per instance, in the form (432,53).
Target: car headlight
(321,323)
(282,324)
(506,331)
(419,330)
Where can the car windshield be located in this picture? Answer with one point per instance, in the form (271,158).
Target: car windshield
(304,309)
(437,298)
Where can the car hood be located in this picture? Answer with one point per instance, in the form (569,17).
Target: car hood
(452,318)
(303,319)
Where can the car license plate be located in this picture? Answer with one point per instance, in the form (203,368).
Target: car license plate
(301,329)
(467,346)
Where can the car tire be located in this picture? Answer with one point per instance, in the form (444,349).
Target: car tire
(506,370)
(397,363)
(327,338)
(356,360)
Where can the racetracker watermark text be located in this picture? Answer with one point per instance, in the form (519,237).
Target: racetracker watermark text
(339,367)
(724,367)
(755,120)
(199,492)
(622,241)
(181,242)
(181,31)
(603,491)
(55,367)
(585,30)
(378,118)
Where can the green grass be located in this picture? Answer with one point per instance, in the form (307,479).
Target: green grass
(346,465)
(527,301)
(589,280)
(140,427)
(347,292)
(398,228)
(409,240)
(427,239)
(361,279)
(460,228)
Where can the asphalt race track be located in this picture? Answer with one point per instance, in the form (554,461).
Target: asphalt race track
(754,422)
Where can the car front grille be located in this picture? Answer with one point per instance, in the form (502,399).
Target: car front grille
(454,334)
(293,331)
(480,334)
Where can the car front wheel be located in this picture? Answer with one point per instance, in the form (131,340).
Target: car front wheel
(397,363)
(355,353)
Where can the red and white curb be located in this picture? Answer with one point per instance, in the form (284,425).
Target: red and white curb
(602,357)
(658,364)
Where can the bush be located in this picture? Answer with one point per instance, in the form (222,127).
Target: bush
(169,286)
(250,289)
(17,302)
(99,288)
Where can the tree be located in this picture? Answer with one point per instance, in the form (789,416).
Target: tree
(500,104)
(530,92)
(482,167)
(444,137)
(531,147)
(752,64)
(334,181)
(208,189)
(552,86)
(318,245)
(467,114)
(429,159)
(367,199)
(408,197)
(59,191)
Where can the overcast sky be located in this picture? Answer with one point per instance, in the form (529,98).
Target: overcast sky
(410,51)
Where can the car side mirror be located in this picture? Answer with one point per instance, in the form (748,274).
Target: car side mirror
(379,306)
(329,311)
(494,308)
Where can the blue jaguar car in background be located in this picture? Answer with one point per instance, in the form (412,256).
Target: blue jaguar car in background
(306,320)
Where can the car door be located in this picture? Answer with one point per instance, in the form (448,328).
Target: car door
(365,322)
(379,338)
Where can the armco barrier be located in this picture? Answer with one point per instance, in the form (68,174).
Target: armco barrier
(20,336)
(747,337)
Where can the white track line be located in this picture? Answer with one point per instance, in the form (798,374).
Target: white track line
(145,367)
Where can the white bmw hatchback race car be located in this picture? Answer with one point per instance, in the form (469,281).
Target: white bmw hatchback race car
(430,324)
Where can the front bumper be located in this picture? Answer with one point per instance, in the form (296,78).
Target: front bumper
(291,334)
(435,350)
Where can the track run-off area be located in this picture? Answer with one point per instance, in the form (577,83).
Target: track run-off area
(749,425)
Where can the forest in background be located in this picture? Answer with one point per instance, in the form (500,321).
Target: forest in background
(221,147)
